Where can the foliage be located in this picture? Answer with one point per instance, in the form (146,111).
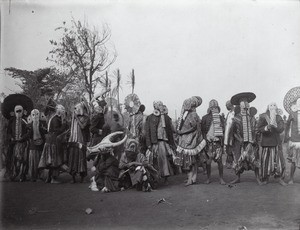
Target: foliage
(41,84)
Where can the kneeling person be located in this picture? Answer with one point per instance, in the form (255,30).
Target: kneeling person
(136,170)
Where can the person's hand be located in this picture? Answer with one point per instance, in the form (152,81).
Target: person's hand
(100,132)
(93,169)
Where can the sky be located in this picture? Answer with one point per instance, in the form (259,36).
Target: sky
(178,49)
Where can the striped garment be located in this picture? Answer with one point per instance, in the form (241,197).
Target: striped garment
(76,133)
(247,134)
(218,131)
(18,128)
(271,163)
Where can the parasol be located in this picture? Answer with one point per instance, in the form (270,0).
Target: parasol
(291,97)
(12,100)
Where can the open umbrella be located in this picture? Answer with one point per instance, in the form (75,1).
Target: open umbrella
(12,100)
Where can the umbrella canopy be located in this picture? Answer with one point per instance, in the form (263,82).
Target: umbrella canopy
(291,97)
(248,96)
(12,100)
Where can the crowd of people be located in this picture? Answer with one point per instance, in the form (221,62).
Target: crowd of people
(149,149)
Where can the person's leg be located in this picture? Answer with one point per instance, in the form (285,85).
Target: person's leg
(73,178)
(256,171)
(49,176)
(237,179)
(292,172)
(55,173)
(82,176)
(189,177)
(220,168)
(195,171)
(280,165)
(208,171)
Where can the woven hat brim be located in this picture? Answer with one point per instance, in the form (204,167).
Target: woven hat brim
(291,96)
(236,99)
(12,100)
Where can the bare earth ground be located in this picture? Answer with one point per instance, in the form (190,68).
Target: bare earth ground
(38,205)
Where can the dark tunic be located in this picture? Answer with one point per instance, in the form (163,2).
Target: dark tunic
(52,157)
(97,123)
(107,171)
(18,149)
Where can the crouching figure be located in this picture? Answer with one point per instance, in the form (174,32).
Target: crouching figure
(136,170)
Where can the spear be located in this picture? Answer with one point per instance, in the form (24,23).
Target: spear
(118,87)
(132,81)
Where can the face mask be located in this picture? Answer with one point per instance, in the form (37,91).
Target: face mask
(78,109)
(244,105)
(272,107)
(35,115)
(60,110)
(18,111)
(296,107)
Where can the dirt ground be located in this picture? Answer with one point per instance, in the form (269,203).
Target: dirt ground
(247,205)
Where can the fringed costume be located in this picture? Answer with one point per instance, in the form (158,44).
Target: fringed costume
(190,141)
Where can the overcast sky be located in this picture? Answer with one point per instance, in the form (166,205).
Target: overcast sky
(178,49)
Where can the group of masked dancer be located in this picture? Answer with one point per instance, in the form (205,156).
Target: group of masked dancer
(149,149)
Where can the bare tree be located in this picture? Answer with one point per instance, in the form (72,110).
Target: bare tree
(85,50)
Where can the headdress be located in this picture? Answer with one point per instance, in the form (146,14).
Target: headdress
(12,100)
(247,96)
(50,107)
(188,104)
(213,104)
(132,103)
(290,98)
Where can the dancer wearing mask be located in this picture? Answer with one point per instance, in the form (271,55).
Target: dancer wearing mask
(291,104)
(37,130)
(212,125)
(270,125)
(51,157)
(159,140)
(79,136)
(190,140)
(245,147)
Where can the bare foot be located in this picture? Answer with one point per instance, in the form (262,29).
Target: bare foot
(222,182)
(262,183)
(291,182)
(282,182)
(235,181)
(207,181)
(188,184)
